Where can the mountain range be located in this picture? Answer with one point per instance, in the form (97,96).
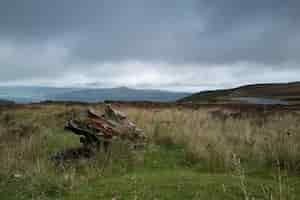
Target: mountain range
(21,94)
(273,93)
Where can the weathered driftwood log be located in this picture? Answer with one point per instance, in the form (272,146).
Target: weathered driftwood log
(97,129)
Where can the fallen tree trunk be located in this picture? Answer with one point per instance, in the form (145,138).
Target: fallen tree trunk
(97,129)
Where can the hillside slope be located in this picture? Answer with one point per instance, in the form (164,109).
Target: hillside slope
(289,92)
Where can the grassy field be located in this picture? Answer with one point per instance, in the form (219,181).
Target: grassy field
(191,154)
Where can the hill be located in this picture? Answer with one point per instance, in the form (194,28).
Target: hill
(120,94)
(6,102)
(277,92)
(29,94)
(21,94)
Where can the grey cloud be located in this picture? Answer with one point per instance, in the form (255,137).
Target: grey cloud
(202,32)
(53,38)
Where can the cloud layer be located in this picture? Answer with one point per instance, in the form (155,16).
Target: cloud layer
(172,44)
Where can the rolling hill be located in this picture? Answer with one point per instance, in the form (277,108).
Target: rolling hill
(280,92)
(29,94)
(6,102)
(20,94)
(120,94)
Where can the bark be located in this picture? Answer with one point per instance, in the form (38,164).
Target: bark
(103,128)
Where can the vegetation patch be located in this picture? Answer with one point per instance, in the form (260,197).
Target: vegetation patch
(190,155)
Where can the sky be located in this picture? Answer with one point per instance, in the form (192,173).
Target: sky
(177,45)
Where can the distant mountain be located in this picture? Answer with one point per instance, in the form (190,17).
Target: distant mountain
(119,94)
(37,94)
(28,94)
(285,92)
(6,102)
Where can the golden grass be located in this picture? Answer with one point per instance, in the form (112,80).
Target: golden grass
(215,141)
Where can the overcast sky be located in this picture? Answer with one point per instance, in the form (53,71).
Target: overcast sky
(169,44)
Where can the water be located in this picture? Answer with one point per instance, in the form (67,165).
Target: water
(261,101)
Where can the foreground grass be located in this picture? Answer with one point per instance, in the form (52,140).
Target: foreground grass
(163,175)
(189,156)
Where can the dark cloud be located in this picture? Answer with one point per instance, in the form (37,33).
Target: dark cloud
(41,38)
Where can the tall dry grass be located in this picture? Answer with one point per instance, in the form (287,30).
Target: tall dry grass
(258,141)
(28,137)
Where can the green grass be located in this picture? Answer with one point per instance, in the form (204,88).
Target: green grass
(164,174)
